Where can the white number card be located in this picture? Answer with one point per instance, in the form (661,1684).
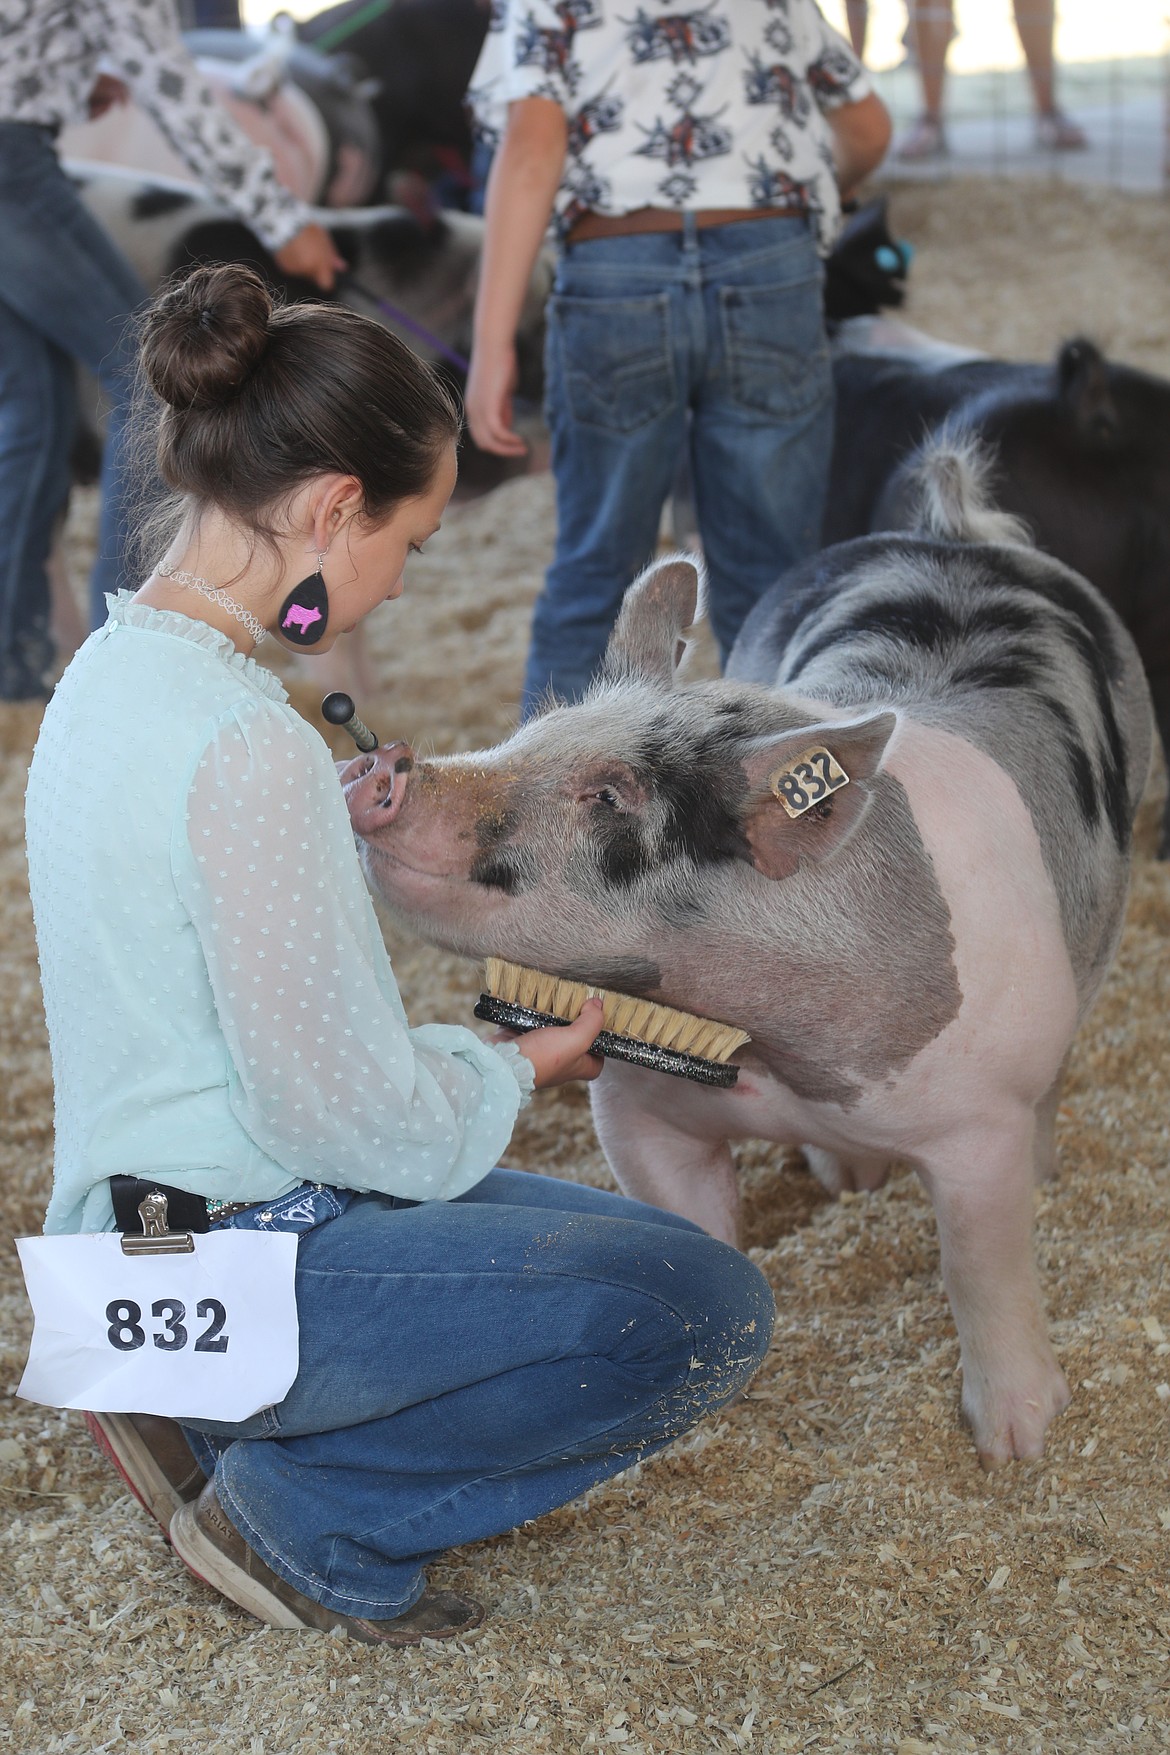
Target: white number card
(210,1334)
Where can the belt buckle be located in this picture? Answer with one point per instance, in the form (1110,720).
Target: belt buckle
(225,1209)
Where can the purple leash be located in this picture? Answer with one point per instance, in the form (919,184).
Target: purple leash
(396,315)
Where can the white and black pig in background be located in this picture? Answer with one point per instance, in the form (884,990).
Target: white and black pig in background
(912,954)
(1080,450)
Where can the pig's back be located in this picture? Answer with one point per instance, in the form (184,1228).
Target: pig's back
(1005,648)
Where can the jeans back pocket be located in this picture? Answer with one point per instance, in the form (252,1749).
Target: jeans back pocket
(301,1209)
(613,358)
(775,348)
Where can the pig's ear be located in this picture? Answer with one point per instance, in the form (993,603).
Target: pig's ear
(810,790)
(658,611)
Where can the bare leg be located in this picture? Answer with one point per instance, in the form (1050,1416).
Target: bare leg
(857,17)
(981,1187)
(1036,24)
(931,28)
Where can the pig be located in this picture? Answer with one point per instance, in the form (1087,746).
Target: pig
(912,952)
(312,112)
(428,268)
(421,55)
(1082,452)
(341,96)
(429,271)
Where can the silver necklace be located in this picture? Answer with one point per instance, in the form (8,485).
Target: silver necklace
(216,594)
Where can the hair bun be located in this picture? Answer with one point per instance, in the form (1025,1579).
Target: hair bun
(204,335)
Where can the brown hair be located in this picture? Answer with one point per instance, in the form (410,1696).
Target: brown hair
(260,397)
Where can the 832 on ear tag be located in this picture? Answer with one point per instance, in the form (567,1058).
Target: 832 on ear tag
(807,781)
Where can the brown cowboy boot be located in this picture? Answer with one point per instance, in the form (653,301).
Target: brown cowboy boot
(152,1457)
(211,1546)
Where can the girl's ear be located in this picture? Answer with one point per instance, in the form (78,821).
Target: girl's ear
(334,501)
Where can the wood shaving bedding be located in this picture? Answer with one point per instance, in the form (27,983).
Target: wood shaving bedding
(822,1567)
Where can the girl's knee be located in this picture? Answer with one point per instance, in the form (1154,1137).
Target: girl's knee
(728,1311)
(740,1330)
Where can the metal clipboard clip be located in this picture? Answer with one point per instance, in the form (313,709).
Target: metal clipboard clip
(156,1239)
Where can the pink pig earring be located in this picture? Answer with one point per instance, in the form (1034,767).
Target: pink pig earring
(304,614)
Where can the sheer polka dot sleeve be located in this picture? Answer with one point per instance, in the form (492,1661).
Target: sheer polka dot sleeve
(322,1070)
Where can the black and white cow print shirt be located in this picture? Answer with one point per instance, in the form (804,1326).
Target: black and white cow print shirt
(678,103)
(51,52)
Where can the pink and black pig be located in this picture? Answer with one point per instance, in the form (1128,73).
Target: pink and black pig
(912,947)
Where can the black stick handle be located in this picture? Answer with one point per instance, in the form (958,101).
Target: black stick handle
(338,709)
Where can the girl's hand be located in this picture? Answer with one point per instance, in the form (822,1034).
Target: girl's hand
(560,1052)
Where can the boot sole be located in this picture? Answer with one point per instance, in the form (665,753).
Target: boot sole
(212,1566)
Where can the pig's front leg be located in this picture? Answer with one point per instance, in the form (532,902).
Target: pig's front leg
(981,1186)
(657,1157)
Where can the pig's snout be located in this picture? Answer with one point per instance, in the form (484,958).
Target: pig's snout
(375,786)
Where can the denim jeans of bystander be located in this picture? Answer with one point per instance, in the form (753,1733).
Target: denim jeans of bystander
(708,341)
(66,295)
(468,1365)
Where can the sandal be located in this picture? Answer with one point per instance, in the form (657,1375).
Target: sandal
(925,141)
(1056,132)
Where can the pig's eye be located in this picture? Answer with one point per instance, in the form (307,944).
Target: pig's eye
(608,797)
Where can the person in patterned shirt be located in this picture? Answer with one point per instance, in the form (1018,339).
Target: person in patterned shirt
(693,154)
(66,291)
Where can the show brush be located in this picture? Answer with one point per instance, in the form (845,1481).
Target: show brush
(638,1030)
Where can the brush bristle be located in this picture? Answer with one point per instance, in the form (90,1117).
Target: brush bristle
(622,1015)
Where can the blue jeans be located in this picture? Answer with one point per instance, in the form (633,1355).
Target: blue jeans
(66,295)
(468,1365)
(712,340)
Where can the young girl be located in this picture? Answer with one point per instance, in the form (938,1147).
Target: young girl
(476,1346)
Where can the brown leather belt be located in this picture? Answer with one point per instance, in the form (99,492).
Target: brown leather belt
(668,219)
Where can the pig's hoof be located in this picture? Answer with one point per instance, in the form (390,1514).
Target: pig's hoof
(1012,1426)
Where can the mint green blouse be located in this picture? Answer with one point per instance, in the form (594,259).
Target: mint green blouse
(221,1009)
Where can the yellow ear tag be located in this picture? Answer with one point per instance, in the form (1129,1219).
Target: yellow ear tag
(810,779)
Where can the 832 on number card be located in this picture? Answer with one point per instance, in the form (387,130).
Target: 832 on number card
(209,1334)
(127,1333)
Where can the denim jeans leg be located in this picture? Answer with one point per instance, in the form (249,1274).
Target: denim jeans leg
(468,1365)
(64,277)
(763,420)
(616,409)
(36,425)
(124,492)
